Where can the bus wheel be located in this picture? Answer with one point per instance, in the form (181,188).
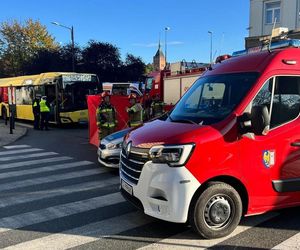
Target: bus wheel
(4,113)
(217,211)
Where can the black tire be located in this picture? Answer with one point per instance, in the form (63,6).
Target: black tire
(4,114)
(217,211)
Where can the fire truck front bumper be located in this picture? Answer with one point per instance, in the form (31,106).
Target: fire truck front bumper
(162,192)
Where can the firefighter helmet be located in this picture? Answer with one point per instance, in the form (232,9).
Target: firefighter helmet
(104,94)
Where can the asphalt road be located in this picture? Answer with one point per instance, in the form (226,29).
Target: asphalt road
(55,196)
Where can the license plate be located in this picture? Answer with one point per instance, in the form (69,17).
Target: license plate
(126,187)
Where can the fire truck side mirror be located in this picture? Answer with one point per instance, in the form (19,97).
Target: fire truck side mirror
(260,120)
(257,122)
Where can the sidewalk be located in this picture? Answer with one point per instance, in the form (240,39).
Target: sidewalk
(6,137)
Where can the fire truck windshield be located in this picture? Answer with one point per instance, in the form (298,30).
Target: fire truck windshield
(212,98)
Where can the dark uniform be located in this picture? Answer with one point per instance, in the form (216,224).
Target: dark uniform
(36,113)
(106,119)
(157,107)
(135,113)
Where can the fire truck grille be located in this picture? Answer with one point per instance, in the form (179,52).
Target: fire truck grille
(132,165)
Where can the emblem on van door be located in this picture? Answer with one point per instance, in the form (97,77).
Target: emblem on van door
(269,158)
(128,148)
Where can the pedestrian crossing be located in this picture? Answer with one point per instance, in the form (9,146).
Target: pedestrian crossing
(54,201)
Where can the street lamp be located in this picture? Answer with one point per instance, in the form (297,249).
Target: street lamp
(72,39)
(210,32)
(166,30)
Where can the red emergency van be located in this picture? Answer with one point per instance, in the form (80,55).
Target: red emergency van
(229,148)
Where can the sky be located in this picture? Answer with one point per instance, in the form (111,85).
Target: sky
(134,26)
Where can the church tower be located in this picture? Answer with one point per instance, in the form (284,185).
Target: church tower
(159,60)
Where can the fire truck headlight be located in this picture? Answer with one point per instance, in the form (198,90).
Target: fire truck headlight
(173,155)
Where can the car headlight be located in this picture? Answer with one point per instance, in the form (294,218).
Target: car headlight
(173,155)
(114,146)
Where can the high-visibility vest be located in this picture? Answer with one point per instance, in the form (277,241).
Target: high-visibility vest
(136,116)
(43,106)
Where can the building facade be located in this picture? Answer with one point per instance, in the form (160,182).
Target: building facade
(263,14)
(159,60)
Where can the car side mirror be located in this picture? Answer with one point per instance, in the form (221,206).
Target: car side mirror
(257,122)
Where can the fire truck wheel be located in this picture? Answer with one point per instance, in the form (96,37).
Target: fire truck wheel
(217,211)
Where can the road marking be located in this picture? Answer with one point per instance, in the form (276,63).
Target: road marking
(16,146)
(34,162)
(289,244)
(19,198)
(55,212)
(18,157)
(19,151)
(86,234)
(189,239)
(48,179)
(44,169)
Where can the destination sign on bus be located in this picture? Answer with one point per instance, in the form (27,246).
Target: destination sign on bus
(77,78)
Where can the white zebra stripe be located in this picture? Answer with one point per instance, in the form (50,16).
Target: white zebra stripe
(33,162)
(48,179)
(289,244)
(19,157)
(19,151)
(44,169)
(183,240)
(55,212)
(19,198)
(16,146)
(86,234)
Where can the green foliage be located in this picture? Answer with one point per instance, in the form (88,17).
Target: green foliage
(20,42)
(27,48)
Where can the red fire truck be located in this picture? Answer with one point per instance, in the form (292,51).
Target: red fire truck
(230,147)
(172,83)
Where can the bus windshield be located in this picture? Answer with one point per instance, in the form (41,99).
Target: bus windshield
(212,98)
(74,89)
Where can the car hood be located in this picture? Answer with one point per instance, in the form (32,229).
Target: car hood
(160,132)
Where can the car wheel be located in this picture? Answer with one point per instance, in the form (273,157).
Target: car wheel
(217,211)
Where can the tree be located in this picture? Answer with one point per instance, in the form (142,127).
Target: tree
(102,59)
(133,68)
(20,42)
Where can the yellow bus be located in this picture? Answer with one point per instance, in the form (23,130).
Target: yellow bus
(66,94)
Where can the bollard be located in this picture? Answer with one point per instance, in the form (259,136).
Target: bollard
(11,123)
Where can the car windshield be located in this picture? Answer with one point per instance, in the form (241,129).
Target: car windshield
(212,98)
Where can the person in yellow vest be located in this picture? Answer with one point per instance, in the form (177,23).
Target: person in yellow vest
(36,112)
(106,117)
(45,112)
(157,107)
(135,111)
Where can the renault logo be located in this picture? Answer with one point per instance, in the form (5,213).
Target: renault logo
(128,148)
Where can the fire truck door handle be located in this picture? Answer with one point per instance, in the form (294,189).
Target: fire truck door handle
(295,144)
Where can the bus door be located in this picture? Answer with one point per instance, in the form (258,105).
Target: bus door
(51,91)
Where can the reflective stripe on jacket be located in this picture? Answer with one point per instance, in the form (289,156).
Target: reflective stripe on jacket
(135,114)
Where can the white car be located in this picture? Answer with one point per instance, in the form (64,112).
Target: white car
(110,148)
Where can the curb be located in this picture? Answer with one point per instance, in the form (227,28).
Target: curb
(24,133)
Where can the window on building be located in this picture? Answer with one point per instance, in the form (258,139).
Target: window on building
(272,12)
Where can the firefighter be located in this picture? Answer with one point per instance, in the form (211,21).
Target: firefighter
(106,116)
(157,107)
(135,112)
(36,112)
(45,112)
